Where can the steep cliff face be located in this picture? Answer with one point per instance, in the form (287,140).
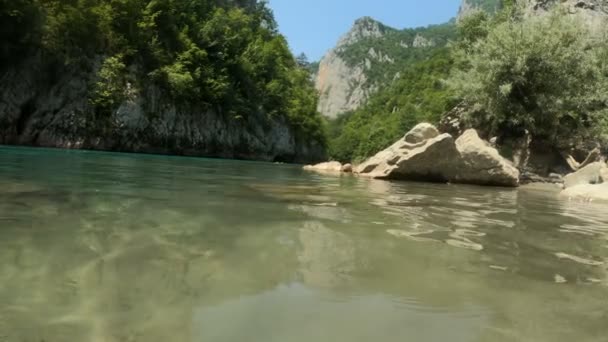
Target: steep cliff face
(370,57)
(339,83)
(43,105)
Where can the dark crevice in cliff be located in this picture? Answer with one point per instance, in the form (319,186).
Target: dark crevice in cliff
(27,110)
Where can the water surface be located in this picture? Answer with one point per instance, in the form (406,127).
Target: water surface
(117,247)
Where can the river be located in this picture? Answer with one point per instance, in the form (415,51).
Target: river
(110,247)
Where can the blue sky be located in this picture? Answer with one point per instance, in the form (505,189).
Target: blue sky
(314,26)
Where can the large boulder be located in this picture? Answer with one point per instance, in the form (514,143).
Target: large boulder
(425,155)
(428,162)
(590,174)
(420,133)
(604,174)
(482,164)
(588,183)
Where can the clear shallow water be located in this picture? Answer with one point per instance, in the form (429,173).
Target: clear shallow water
(111,247)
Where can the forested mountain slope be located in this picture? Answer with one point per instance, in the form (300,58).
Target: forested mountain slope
(557,98)
(369,58)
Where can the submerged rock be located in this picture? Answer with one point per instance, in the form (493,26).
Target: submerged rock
(325,167)
(425,155)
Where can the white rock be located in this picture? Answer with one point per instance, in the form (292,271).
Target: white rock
(425,155)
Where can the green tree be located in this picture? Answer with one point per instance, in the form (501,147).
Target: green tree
(541,74)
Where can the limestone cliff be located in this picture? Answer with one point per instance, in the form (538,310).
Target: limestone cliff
(44,105)
(341,85)
(368,58)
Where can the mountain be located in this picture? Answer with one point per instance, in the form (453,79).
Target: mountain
(206,78)
(376,92)
(368,58)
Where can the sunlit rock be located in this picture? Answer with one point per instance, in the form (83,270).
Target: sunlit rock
(425,155)
(588,183)
(482,163)
(590,174)
(325,167)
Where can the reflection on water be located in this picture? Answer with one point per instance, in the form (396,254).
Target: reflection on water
(107,247)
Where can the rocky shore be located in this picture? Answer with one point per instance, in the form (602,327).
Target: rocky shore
(424,154)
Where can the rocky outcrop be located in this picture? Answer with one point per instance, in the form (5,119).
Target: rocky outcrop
(422,42)
(341,85)
(425,155)
(42,105)
(588,183)
(366,59)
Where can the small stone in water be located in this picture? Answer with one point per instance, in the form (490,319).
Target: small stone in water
(560,280)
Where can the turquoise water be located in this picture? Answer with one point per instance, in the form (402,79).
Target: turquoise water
(118,247)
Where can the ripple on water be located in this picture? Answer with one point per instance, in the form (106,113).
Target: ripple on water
(458,238)
(579,260)
(103,260)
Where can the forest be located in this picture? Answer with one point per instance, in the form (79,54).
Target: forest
(222,54)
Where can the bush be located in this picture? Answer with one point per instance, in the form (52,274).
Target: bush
(110,89)
(542,74)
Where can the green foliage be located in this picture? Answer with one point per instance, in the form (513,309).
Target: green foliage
(213,54)
(110,89)
(472,28)
(418,95)
(542,74)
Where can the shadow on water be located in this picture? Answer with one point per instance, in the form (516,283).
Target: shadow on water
(106,247)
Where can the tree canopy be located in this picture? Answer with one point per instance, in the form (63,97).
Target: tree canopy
(545,75)
(225,55)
